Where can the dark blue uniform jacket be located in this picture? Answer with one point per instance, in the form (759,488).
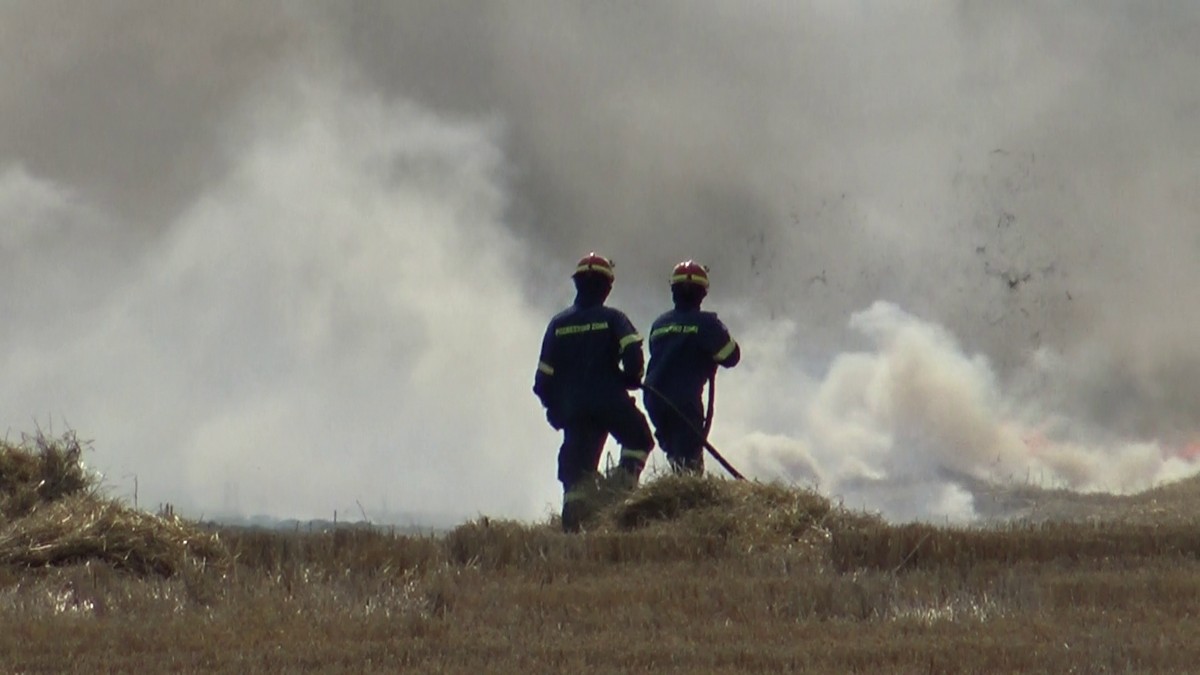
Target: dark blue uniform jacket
(590,355)
(686,346)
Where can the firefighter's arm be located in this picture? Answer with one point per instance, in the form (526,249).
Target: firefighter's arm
(633,363)
(543,383)
(725,350)
(732,353)
(543,379)
(544,387)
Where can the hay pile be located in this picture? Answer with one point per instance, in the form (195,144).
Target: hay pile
(52,513)
(750,512)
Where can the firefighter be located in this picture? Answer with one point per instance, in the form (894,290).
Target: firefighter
(591,358)
(686,346)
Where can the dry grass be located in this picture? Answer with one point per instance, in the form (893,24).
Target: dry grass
(51,513)
(38,470)
(686,575)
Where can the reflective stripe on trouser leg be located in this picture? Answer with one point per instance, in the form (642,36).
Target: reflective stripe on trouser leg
(635,458)
(575,508)
(625,478)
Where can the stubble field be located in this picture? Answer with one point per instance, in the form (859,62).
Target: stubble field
(687,575)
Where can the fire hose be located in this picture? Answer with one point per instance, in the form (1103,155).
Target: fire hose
(701,434)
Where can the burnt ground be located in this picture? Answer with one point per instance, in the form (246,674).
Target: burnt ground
(1170,503)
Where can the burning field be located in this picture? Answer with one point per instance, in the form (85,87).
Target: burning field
(684,575)
(295,258)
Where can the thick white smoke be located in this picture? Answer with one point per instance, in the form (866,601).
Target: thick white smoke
(334,323)
(295,257)
(906,425)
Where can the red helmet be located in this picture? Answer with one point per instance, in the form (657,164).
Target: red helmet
(594,262)
(690,272)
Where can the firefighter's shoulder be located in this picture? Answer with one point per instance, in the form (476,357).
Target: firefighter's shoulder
(665,318)
(564,316)
(712,318)
(615,316)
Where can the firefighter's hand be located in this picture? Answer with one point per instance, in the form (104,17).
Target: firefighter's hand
(554,418)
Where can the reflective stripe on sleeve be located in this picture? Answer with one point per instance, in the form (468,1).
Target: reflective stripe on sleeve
(725,351)
(628,340)
(546,368)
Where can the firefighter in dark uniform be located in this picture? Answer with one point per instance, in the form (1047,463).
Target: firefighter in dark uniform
(686,346)
(591,358)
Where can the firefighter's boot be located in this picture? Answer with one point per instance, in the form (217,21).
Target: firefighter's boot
(572,516)
(579,503)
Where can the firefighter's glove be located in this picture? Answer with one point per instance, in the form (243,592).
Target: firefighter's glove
(554,417)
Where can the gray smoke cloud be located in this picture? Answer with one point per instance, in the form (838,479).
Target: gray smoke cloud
(286,257)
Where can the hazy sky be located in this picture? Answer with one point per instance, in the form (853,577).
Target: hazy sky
(292,258)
